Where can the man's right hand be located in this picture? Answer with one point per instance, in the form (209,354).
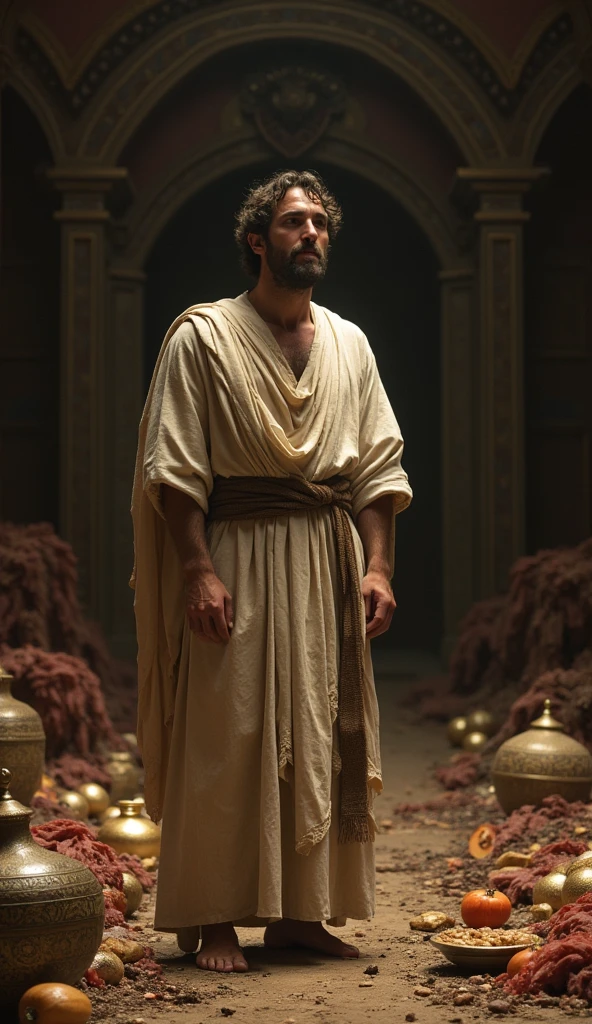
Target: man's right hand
(209,608)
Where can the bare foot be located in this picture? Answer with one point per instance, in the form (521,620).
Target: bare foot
(310,934)
(220,950)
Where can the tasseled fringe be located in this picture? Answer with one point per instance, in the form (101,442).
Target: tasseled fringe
(354,828)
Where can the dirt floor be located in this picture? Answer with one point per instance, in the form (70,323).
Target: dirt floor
(400,976)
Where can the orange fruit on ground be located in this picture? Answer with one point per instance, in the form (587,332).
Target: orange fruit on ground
(519,960)
(485,908)
(54,1003)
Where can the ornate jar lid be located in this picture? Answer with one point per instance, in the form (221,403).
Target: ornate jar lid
(544,751)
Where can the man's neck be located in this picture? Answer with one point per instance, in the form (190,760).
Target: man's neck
(281,307)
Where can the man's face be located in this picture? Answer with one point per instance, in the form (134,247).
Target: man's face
(297,245)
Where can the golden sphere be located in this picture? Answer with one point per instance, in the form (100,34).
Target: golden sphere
(133,892)
(108,966)
(457,727)
(76,803)
(549,889)
(481,721)
(584,860)
(98,798)
(473,742)
(576,884)
(111,812)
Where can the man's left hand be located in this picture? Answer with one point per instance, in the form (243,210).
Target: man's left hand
(379,603)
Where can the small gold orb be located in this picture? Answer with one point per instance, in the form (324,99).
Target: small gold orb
(473,742)
(133,892)
(584,860)
(111,812)
(457,728)
(549,889)
(98,798)
(108,966)
(76,803)
(481,721)
(576,884)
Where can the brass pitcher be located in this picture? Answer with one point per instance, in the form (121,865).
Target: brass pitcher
(131,832)
(51,908)
(540,762)
(22,742)
(125,775)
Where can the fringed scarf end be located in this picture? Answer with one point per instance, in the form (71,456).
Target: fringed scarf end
(355,828)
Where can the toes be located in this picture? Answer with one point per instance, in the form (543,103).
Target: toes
(240,964)
(211,963)
(351,951)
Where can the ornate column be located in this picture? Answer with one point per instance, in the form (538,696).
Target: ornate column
(500,219)
(83,218)
(125,397)
(458,432)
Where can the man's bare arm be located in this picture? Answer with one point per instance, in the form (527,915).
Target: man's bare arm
(208,603)
(376,526)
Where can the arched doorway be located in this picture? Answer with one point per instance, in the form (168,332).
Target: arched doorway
(383,275)
(29,341)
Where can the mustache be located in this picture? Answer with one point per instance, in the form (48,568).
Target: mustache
(307,247)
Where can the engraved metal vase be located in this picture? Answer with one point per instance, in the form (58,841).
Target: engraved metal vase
(22,742)
(125,776)
(52,908)
(131,832)
(541,762)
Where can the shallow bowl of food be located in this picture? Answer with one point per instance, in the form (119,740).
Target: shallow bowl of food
(484,950)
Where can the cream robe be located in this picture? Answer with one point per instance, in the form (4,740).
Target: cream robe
(248,730)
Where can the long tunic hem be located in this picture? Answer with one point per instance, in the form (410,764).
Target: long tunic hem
(255,919)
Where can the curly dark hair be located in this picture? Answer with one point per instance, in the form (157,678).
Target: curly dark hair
(260,204)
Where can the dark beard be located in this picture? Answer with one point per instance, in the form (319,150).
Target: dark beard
(289,273)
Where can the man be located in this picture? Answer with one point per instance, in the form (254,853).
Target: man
(266,429)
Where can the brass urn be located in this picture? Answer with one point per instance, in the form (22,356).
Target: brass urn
(22,742)
(131,832)
(51,908)
(125,775)
(541,762)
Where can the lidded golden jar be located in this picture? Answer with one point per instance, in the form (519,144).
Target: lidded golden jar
(131,832)
(125,775)
(51,908)
(540,762)
(22,742)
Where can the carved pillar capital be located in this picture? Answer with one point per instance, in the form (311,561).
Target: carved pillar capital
(500,220)
(499,191)
(85,190)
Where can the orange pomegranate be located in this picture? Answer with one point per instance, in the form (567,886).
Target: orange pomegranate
(519,960)
(485,908)
(53,1003)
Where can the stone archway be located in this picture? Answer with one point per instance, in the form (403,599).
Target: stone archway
(383,276)
(487,115)
(455,434)
(140,83)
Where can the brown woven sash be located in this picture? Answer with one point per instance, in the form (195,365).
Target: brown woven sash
(246,497)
